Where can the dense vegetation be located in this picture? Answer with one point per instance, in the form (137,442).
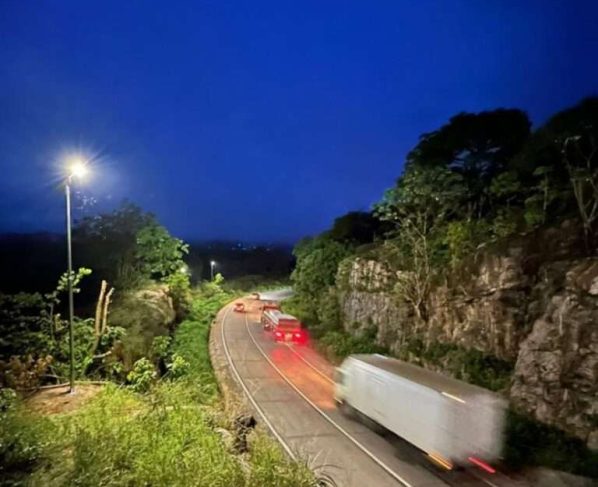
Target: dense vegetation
(158,419)
(477,181)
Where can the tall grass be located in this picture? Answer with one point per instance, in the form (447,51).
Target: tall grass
(171,436)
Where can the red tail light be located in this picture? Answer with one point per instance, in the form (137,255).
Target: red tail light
(483,465)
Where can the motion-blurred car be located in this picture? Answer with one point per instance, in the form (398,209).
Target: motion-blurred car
(239,308)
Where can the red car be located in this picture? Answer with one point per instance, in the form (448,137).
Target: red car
(239,307)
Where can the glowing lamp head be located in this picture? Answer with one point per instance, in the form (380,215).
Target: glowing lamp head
(78,169)
(212,263)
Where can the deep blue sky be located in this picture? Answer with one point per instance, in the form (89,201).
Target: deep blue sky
(261,120)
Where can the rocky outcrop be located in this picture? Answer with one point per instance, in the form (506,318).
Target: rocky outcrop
(556,373)
(144,314)
(533,303)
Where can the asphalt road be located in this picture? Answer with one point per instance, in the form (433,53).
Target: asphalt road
(291,388)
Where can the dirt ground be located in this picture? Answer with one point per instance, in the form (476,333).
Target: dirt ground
(59,400)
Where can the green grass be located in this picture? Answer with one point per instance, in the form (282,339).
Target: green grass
(24,440)
(174,435)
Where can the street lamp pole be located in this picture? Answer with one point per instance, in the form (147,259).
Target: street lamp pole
(212,265)
(70,283)
(77,169)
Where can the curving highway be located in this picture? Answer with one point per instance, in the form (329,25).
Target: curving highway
(291,389)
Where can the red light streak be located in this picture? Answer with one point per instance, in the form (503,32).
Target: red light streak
(481,464)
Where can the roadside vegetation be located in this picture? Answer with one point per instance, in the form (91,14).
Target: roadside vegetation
(468,186)
(157,419)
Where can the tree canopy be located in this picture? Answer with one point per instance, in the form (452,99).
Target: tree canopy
(359,227)
(126,246)
(475,145)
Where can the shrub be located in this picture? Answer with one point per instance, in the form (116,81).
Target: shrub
(160,346)
(329,312)
(467,364)
(340,344)
(8,399)
(179,367)
(142,375)
(24,440)
(179,289)
(24,372)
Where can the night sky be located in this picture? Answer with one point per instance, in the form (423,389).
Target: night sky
(261,121)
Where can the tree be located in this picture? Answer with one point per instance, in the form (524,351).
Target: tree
(358,227)
(475,145)
(315,272)
(127,246)
(420,206)
(158,254)
(556,163)
(107,243)
(580,156)
(425,197)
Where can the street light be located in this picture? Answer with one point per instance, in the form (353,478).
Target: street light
(212,265)
(77,169)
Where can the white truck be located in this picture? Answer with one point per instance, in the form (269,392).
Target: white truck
(453,422)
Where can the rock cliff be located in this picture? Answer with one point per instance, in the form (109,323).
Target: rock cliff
(532,303)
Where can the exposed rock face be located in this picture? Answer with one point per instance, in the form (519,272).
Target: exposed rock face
(556,374)
(534,304)
(145,314)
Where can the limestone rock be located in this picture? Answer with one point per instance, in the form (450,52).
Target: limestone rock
(533,303)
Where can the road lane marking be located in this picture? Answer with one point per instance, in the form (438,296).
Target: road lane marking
(286,447)
(310,364)
(373,457)
(279,438)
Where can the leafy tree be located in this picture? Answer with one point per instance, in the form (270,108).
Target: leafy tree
(29,323)
(358,227)
(424,197)
(543,195)
(315,272)
(420,206)
(580,153)
(128,246)
(108,244)
(329,312)
(462,238)
(158,254)
(557,161)
(35,336)
(475,145)
(24,327)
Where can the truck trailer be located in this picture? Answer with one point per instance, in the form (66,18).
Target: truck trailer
(284,327)
(453,422)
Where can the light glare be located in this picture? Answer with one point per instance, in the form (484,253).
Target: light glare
(78,169)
